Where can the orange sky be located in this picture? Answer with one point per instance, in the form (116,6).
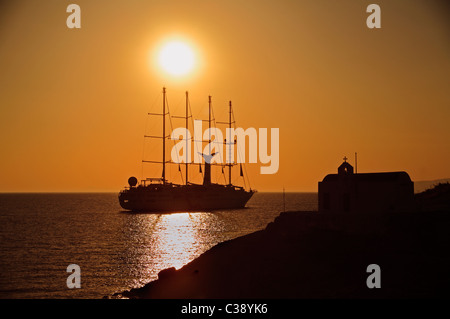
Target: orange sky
(74,102)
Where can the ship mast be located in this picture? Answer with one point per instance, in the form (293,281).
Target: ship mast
(164,137)
(209,123)
(229,147)
(230,160)
(187,142)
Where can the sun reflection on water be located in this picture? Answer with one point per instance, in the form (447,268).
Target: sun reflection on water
(179,239)
(159,241)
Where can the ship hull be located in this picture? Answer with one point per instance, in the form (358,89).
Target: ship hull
(183,198)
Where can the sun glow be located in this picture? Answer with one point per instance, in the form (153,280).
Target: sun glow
(176,58)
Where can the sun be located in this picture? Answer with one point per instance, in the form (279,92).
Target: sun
(176,58)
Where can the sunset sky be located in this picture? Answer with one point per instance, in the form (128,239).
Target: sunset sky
(74,102)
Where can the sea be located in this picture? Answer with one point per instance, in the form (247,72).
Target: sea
(42,234)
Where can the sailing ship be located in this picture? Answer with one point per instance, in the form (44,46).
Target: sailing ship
(160,195)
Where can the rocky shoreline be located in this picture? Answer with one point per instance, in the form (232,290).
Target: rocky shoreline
(313,255)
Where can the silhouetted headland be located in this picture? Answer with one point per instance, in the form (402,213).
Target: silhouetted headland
(325,254)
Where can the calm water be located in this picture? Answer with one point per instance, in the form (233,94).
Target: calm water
(41,234)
